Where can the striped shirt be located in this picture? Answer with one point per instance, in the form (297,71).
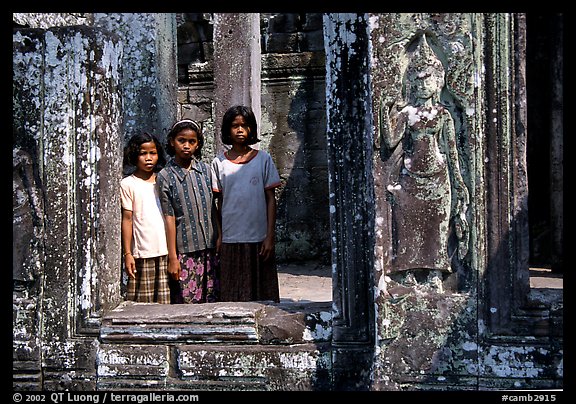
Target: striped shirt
(187,195)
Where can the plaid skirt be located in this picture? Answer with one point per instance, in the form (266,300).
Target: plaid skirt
(245,276)
(151,283)
(199,278)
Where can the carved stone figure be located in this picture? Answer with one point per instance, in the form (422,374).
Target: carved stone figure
(425,188)
(27,214)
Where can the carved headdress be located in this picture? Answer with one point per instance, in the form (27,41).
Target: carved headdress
(424,62)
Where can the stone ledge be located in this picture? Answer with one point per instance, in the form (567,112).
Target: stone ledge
(273,65)
(224,322)
(184,366)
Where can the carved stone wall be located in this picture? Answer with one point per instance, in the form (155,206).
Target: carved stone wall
(150,77)
(474,324)
(440,91)
(67,149)
(455,317)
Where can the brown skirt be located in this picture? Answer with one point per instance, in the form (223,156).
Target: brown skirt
(245,276)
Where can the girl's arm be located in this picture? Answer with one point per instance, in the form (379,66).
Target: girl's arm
(173,263)
(267,249)
(164,193)
(218,207)
(126,230)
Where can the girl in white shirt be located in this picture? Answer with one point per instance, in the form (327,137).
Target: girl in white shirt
(144,245)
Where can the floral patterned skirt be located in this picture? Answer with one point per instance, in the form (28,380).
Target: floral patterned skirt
(199,278)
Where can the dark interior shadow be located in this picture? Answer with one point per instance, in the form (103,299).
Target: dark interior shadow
(299,151)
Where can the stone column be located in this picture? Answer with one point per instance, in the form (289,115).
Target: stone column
(67,128)
(423,184)
(404,118)
(237,66)
(557,146)
(349,132)
(149,69)
(28,210)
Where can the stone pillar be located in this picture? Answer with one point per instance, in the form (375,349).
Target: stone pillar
(349,132)
(237,66)
(404,131)
(149,69)
(28,210)
(67,129)
(427,121)
(557,146)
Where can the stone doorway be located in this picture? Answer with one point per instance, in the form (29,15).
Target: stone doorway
(545,140)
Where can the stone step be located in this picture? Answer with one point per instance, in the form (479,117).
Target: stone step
(223,322)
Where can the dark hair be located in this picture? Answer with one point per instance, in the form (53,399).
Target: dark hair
(179,127)
(248,115)
(132,150)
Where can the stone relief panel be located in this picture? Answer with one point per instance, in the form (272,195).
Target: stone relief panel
(419,136)
(27,219)
(423,94)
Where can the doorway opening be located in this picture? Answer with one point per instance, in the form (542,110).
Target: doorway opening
(544,52)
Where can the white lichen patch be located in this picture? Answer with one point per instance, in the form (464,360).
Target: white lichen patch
(325,316)
(116,357)
(300,360)
(320,332)
(469,346)
(512,362)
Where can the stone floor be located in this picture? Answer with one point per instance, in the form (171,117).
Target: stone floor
(544,278)
(305,282)
(312,282)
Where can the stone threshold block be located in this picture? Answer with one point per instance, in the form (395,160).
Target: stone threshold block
(223,322)
(222,367)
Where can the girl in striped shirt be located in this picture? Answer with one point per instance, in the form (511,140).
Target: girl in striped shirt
(188,204)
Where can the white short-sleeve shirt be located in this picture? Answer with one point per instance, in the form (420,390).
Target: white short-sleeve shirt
(244,218)
(148,231)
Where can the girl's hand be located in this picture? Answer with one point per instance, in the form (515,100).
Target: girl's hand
(267,248)
(174,268)
(130,264)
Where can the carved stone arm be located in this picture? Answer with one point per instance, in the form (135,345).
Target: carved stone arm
(392,125)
